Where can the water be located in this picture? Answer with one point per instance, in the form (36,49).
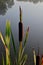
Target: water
(32,16)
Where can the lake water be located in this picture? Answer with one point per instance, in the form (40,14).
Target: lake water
(32,16)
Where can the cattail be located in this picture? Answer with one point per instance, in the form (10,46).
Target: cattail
(20,26)
(42,60)
(38,58)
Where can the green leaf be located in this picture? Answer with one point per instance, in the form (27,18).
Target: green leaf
(1,37)
(13,42)
(7,40)
(8,32)
(26,37)
(8,28)
(22,52)
(21,58)
(23,61)
(3,59)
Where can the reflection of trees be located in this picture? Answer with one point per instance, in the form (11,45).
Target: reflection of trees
(4,5)
(34,1)
(10,2)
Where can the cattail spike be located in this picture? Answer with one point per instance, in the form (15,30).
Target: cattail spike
(20,26)
(20,14)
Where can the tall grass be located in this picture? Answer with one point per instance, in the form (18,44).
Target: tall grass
(20,57)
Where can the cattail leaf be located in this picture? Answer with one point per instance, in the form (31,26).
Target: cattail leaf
(7,56)
(26,37)
(8,32)
(8,28)
(22,52)
(13,42)
(21,58)
(3,59)
(23,61)
(1,37)
(7,40)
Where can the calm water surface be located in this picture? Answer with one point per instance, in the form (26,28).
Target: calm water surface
(32,16)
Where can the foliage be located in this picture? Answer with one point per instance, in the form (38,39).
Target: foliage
(20,57)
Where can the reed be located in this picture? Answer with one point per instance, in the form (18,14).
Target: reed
(20,57)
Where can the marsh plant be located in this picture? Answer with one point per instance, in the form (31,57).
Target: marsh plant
(20,57)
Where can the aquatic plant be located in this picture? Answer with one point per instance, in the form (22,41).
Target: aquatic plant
(6,42)
(34,54)
(20,57)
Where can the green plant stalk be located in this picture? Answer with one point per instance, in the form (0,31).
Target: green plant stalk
(23,61)
(7,49)
(14,47)
(7,41)
(13,42)
(7,57)
(1,37)
(19,53)
(22,51)
(24,42)
(3,59)
(26,38)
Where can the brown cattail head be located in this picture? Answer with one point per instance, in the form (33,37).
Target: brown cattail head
(20,31)
(37,60)
(38,57)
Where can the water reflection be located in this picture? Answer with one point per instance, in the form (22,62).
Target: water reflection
(4,5)
(34,1)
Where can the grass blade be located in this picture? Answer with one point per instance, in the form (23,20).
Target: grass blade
(8,28)
(13,43)
(3,59)
(23,61)
(7,40)
(26,36)
(1,37)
